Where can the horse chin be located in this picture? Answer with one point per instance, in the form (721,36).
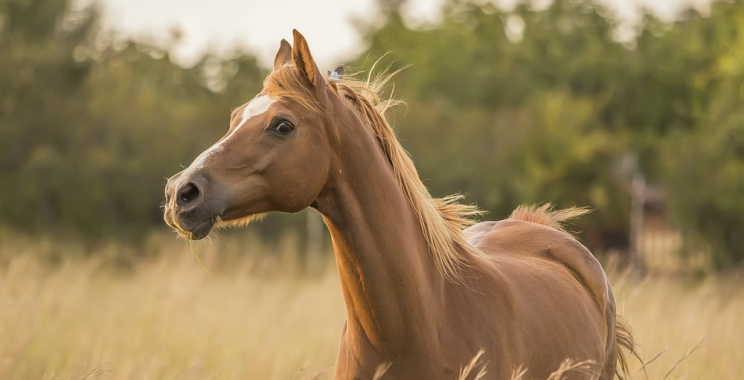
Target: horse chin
(237,222)
(203,229)
(200,231)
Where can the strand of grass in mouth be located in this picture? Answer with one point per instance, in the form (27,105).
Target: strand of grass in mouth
(191,244)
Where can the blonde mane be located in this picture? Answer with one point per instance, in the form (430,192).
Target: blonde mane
(442,220)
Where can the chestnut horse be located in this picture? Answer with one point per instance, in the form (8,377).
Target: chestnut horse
(425,288)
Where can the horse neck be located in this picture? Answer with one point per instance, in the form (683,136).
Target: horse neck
(390,285)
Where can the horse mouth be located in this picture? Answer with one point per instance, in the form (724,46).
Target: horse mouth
(202,229)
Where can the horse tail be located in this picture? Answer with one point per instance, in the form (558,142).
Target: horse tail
(547,216)
(625,347)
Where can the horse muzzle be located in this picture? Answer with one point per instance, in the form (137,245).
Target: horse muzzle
(187,209)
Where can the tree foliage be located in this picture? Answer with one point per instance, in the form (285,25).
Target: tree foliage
(510,106)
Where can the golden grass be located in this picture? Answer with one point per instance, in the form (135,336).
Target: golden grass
(685,328)
(256,317)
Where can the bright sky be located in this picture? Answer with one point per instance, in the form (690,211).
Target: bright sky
(258,26)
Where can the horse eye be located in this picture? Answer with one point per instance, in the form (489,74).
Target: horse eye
(284,128)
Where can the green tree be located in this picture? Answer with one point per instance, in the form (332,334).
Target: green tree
(703,168)
(90,124)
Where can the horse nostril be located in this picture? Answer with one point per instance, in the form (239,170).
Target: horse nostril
(188,194)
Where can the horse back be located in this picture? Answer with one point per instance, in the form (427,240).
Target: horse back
(531,244)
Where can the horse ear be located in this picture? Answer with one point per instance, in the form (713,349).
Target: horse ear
(304,62)
(284,54)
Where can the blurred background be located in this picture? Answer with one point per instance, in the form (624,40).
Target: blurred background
(632,108)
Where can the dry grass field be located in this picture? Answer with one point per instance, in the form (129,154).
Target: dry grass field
(256,316)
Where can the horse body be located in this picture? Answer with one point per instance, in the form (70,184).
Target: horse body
(421,293)
(527,310)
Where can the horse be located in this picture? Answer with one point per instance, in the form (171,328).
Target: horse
(426,288)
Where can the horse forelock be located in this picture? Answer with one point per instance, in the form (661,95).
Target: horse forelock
(441,219)
(286,83)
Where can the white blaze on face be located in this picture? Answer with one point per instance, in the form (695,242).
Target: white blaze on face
(256,107)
